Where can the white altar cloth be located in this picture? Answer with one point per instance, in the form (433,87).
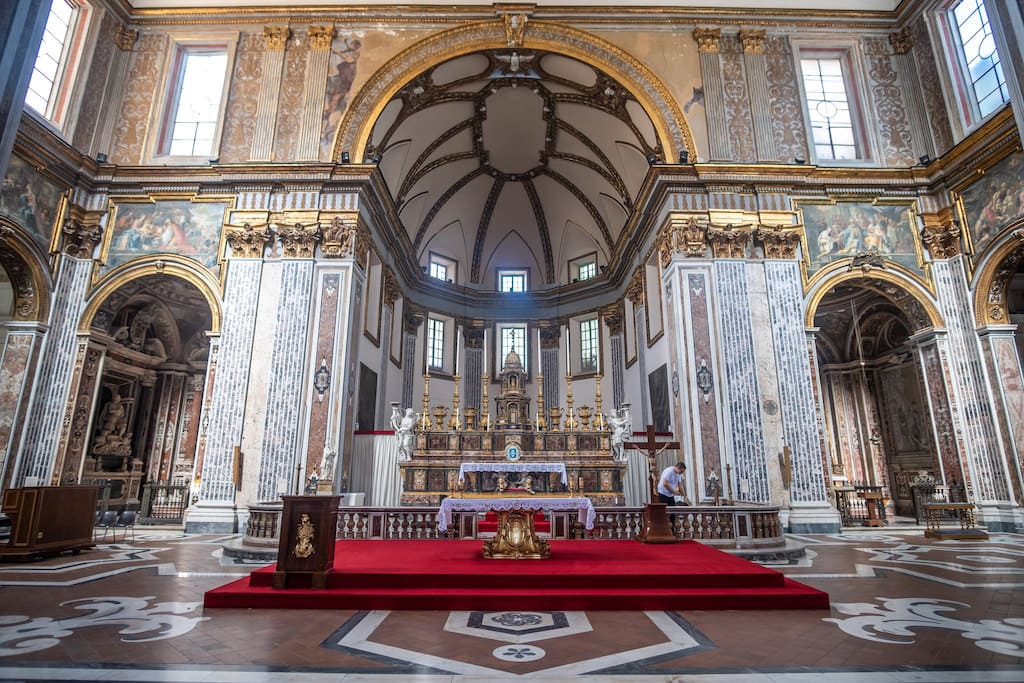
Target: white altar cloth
(449,505)
(512,467)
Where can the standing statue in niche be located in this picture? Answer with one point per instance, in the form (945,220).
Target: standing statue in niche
(327,464)
(621,424)
(405,432)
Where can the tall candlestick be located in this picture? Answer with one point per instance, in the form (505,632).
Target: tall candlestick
(538,352)
(568,352)
(458,346)
(485,352)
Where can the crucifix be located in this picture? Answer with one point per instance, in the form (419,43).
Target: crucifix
(656,525)
(653,448)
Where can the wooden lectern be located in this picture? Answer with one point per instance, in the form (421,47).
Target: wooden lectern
(305,552)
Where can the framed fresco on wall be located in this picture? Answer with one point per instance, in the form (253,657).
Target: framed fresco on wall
(32,201)
(186,227)
(993,201)
(841,229)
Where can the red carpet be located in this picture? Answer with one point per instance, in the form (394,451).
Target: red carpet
(580,575)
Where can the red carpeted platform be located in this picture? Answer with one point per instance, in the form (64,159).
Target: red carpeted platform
(580,575)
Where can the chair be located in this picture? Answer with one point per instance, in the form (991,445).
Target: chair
(106,522)
(126,521)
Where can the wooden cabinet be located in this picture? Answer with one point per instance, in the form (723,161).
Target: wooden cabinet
(49,519)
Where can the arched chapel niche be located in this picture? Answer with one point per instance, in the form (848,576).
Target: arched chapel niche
(144,420)
(878,422)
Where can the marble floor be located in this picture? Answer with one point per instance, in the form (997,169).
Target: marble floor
(903,609)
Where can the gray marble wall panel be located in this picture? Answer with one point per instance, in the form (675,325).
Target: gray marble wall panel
(224,414)
(409,371)
(384,415)
(641,358)
(553,378)
(471,373)
(971,404)
(283,421)
(742,395)
(800,427)
(56,367)
(618,371)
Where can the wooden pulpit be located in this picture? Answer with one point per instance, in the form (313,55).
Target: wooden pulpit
(305,552)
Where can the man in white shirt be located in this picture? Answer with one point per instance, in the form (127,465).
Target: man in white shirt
(671,484)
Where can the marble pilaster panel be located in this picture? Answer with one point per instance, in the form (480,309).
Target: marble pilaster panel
(71,449)
(892,127)
(17,366)
(942,421)
(161,408)
(227,382)
(755,66)
(270,91)
(317,64)
(409,370)
(140,92)
(244,100)
(714,99)
(703,377)
(383,415)
(641,357)
(472,372)
(168,443)
(971,407)
(618,370)
(551,361)
(798,405)
(1004,369)
(929,73)
(183,467)
(785,104)
(56,368)
(909,84)
(326,316)
(846,434)
(289,117)
(739,123)
(280,449)
(740,380)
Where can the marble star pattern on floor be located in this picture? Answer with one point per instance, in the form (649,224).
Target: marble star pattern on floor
(903,609)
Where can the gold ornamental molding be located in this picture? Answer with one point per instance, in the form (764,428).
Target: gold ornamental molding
(779,242)
(673,132)
(994,277)
(248,240)
(171,265)
(27,271)
(895,283)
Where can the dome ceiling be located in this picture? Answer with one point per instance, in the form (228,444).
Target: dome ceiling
(514,158)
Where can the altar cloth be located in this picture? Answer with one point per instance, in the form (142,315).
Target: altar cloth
(449,505)
(512,467)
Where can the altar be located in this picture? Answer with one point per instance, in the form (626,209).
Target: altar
(516,537)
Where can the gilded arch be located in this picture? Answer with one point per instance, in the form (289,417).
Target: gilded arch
(899,287)
(992,281)
(163,264)
(26,267)
(674,134)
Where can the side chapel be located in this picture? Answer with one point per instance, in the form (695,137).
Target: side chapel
(792,240)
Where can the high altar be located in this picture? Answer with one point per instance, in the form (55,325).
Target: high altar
(579,440)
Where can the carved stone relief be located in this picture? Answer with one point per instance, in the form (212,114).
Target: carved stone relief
(893,128)
(784,100)
(243,100)
(289,116)
(139,93)
(737,101)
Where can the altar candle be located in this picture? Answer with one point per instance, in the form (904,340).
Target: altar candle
(458,347)
(485,350)
(568,345)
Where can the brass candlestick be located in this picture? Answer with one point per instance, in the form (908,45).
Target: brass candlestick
(584,413)
(425,418)
(570,419)
(485,412)
(454,423)
(541,422)
(728,484)
(599,425)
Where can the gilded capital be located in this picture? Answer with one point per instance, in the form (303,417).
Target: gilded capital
(81,233)
(942,239)
(125,38)
(414,317)
(473,334)
(902,41)
(753,40)
(683,235)
(247,240)
(298,240)
(549,336)
(635,290)
(320,37)
(391,291)
(341,235)
(707,39)
(779,242)
(612,316)
(276,36)
(729,241)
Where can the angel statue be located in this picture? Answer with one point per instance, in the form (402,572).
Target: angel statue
(405,432)
(621,424)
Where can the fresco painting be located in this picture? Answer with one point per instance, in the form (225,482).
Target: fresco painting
(31,200)
(182,227)
(844,229)
(994,201)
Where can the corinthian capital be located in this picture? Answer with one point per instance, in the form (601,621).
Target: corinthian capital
(277,36)
(298,240)
(730,241)
(81,235)
(753,40)
(779,242)
(902,41)
(320,37)
(247,240)
(942,240)
(707,39)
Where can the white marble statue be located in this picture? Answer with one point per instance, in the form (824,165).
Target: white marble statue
(327,464)
(621,424)
(405,432)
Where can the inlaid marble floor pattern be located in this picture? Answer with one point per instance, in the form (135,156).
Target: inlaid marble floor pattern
(903,609)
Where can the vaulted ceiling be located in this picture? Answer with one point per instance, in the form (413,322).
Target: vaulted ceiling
(514,158)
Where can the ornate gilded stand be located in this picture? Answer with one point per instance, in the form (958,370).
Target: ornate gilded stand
(516,538)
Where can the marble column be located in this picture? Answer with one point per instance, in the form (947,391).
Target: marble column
(52,385)
(18,361)
(223,415)
(183,467)
(551,365)
(81,407)
(909,82)
(714,97)
(932,355)
(21,30)
(612,316)
(281,449)
(270,89)
(412,321)
(756,67)
(999,349)
(981,443)
(811,511)
(740,377)
(317,65)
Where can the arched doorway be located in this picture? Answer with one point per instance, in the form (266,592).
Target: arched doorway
(144,417)
(878,422)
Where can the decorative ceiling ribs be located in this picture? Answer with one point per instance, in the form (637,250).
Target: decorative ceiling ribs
(441,201)
(542,228)
(585,201)
(485,221)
